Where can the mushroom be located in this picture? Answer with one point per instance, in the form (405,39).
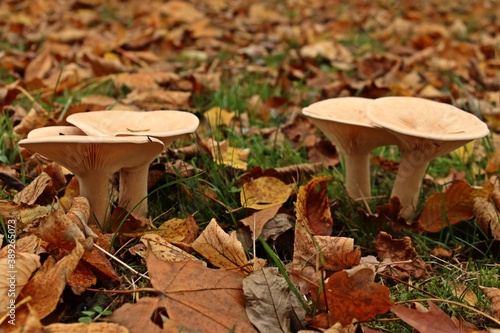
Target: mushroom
(93,160)
(344,122)
(165,125)
(425,130)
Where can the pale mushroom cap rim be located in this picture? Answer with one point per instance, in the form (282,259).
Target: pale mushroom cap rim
(342,110)
(83,139)
(384,113)
(92,123)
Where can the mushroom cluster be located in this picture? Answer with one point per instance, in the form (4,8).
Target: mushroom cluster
(422,129)
(105,142)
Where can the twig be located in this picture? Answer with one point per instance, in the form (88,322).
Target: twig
(121,262)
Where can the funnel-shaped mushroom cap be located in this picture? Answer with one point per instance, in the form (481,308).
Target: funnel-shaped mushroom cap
(343,120)
(165,125)
(443,126)
(425,130)
(92,159)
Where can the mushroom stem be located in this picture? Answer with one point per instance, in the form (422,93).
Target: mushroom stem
(95,187)
(134,189)
(357,175)
(408,182)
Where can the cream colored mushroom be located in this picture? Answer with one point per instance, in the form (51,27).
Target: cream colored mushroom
(93,160)
(165,125)
(425,130)
(344,122)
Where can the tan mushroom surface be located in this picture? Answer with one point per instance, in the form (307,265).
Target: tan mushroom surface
(343,120)
(425,130)
(164,125)
(93,160)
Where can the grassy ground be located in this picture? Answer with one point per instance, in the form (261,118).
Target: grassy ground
(475,257)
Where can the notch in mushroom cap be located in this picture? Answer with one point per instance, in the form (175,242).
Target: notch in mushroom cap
(344,122)
(165,125)
(93,160)
(425,130)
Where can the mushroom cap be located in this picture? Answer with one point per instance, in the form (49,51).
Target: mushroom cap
(166,125)
(81,154)
(54,131)
(343,120)
(432,128)
(426,119)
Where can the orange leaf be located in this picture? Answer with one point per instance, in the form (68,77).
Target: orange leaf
(448,208)
(313,207)
(354,297)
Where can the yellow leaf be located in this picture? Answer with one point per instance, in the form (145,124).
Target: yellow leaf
(217,116)
(264,192)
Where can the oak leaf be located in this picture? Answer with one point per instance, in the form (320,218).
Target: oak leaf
(352,297)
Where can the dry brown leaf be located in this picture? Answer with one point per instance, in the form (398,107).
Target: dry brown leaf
(397,251)
(38,68)
(432,321)
(94,327)
(37,117)
(15,271)
(313,207)
(461,291)
(338,252)
(223,250)
(81,278)
(258,220)
(264,192)
(195,297)
(46,286)
(448,208)
(165,251)
(493,295)
(159,99)
(351,297)
(486,214)
(34,190)
(27,244)
(267,300)
(181,232)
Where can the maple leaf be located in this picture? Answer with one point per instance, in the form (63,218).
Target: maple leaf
(352,297)
(210,300)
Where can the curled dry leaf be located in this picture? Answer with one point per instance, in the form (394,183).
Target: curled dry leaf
(15,271)
(258,220)
(351,297)
(267,300)
(264,192)
(36,118)
(338,252)
(313,206)
(34,190)
(165,251)
(224,250)
(399,252)
(493,295)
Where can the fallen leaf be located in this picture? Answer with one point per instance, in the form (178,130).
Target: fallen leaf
(448,208)
(257,221)
(432,321)
(461,292)
(15,271)
(223,250)
(180,232)
(493,295)
(165,251)
(313,206)
(37,117)
(267,300)
(352,297)
(94,327)
(264,192)
(34,190)
(194,297)
(399,252)
(217,116)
